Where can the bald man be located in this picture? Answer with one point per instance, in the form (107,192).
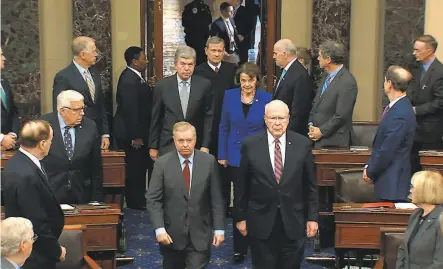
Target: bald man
(79,76)
(276,192)
(295,86)
(389,166)
(27,194)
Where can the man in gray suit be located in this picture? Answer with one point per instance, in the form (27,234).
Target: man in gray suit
(330,121)
(185,203)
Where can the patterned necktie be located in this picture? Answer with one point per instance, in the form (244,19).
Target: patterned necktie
(278,163)
(187,176)
(67,139)
(184,96)
(216,69)
(90,85)
(385,111)
(283,73)
(325,85)
(4,98)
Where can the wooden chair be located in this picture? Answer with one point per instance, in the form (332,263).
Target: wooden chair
(390,241)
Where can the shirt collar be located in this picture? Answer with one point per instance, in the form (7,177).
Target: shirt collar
(135,71)
(30,156)
(225,19)
(392,103)
(61,121)
(80,68)
(271,139)
(426,66)
(180,80)
(214,66)
(289,64)
(334,73)
(182,159)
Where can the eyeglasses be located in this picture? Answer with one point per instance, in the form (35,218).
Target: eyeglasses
(34,237)
(76,110)
(279,119)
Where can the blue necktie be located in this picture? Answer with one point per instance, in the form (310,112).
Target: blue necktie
(325,85)
(3,93)
(283,73)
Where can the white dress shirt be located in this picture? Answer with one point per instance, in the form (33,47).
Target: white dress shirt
(137,72)
(392,103)
(271,145)
(32,157)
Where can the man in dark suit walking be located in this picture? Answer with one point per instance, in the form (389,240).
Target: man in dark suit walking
(27,194)
(185,204)
(276,193)
(330,120)
(10,122)
(131,125)
(389,167)
(245,18)
(74,162)
(181,97)
(295,86)
(221,74)
(80,77)
(426,95)
(224,27)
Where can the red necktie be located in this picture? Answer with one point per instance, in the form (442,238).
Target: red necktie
(278,163)
(216,69)
(187,176)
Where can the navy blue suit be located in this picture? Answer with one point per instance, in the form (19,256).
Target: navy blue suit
(234,127)
(389,165)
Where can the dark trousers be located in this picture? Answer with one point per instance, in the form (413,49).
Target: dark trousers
(33,263)
(137,163)
(188,258)
(241,242)
(278,251)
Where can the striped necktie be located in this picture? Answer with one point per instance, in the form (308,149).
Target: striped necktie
(3,93)
(325,85)
(278,163)
(283,73)
(90,85)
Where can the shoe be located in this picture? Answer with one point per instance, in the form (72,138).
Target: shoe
(238,258)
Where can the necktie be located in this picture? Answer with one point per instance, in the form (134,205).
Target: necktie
(187,176)
(90,85)
(67,139)
(325,85)
(231,35)
(216,69)
(4,97)
(184,96)
(423,72)
(385,111)
(278,163)
(283,73)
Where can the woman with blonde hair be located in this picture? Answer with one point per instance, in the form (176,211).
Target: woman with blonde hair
(423,241)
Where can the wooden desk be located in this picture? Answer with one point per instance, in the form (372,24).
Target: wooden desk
(432,160)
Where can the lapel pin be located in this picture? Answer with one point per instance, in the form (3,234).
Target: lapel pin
(289,142)
(424,86)
(256,100)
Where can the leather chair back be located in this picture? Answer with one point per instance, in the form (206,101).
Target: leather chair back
(350,187)
(72,240)
(390,241)
(363,133)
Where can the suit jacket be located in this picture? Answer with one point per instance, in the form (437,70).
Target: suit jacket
(426,96)
(389,166)
(167,110)
(5,264)
(218,28)
(70,78)
(258,196)
(220,82)
(425,250)
(234,127)
(82,176)
(246,20)
(296,89)
(10,120)
(27,194)
(332,110)
(184,216)
(134,103)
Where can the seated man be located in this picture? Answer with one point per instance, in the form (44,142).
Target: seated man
(17,240)
(74,162)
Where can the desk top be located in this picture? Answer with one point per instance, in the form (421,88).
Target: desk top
(109,153)
(341,151)
(351,208)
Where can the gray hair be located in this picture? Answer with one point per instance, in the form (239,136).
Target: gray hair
(185,52)
(183,126)
(14,230)
(334,50)
(214,40)
(65,98)
(80,44)
(287,46)
(277,103)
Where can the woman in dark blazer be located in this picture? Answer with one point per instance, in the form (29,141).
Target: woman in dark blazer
(423,241)
(242,115)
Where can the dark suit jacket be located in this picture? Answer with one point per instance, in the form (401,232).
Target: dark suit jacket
(332,111)
(220,82)
(184,216)
(27,194)
(10,120)
(80,177)
(389,166)
(426,96)
(234,127)
(134,104)
(71,79)
(218,28)
(425,250)
(246,19)
(296,89)
(5,264)
(167,110)
(258,196)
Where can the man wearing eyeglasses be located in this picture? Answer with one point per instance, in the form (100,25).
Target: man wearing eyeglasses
(74,163)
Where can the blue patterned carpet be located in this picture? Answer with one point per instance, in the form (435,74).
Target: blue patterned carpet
(142,245)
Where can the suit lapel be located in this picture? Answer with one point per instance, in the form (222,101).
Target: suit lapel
(432,217)
(196,177)
(194,92)
(264,151)
(331,85)
(413,223)
(8,96)
(96,79)
(58,137)
(427,76)
(80,135)
(176,96)
(289,156)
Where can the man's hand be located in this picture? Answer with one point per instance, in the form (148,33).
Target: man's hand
(8,141)
(63,255)
(218,240)
(314,133)
(137,143)
(105,143)
(241,38)
(164,239)
(204,149)
(223,162)
(241,226)
(311,228)
(154,154)
(366,178)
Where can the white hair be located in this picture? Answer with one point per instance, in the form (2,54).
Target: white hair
(14,230)
(277,103)
(65,98)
